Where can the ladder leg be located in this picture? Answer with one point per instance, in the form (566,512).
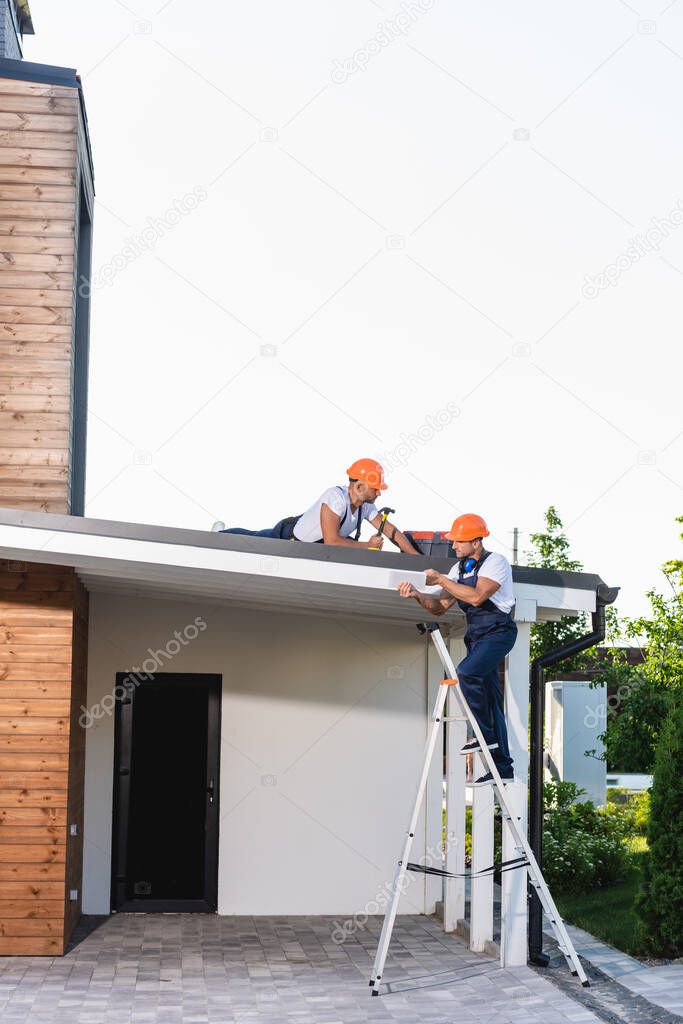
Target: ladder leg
(390,916)
(538,881)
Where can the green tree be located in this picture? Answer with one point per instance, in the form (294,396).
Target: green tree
(636,711)
(660,902)
(661,633)
(551,550)
(644,693)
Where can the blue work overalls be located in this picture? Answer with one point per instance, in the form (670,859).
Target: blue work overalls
(491,634)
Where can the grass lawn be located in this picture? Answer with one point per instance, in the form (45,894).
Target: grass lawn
(608,913)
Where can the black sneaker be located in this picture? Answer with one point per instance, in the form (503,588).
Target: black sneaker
(472,746)
(486,780)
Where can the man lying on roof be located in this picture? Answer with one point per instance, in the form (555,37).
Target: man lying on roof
(338,513)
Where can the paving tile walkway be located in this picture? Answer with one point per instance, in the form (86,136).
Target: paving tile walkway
(660,985)
(205,969)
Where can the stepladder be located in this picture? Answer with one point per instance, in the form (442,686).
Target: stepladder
(523,854)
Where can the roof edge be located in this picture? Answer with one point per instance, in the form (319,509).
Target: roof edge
(280,548)
(50,74)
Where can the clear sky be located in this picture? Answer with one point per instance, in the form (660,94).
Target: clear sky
(447,235)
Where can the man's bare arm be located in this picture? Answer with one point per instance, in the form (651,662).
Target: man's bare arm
(434,605)
(330,523)
(470,595)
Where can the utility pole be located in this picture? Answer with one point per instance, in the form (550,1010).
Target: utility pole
(515,546)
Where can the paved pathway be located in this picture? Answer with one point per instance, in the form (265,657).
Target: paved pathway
(172,968)
(660,985)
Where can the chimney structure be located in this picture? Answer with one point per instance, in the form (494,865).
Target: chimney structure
(15,23)
(46,207)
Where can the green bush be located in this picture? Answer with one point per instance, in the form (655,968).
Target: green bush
(660,901)
(634,724)
(637,803)
(641,811)
(583,846)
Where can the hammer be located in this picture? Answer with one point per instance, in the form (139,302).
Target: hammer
(385,513)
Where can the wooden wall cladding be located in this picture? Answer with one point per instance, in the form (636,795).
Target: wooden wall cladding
(39,126)
(43,663)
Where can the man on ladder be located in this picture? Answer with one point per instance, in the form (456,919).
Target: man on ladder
(477,579)
(481,583)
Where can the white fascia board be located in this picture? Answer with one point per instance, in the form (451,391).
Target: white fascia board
(90,551)
(125,557)
(565,599)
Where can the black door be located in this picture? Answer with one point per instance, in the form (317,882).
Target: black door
(166,763)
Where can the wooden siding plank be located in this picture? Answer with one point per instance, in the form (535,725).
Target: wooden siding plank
(34,421)
(33,946)
(32,835)
(35,634)
(34,367)
(31,404)
(30,209)
(45,505)
(38,193)
(33,280)
(32,798)
(15,102)
(40,762)
(35,142)
(34,727)
(50,440)
(28,175)
(41,297)
(31,385)
(13,615)
(36,263)
(16,741)
(18,86)
(11,652)
(21,157)
(23,817)
(34,456)
(37,334)
(54,314)
(50,226)
(17,121)
(46,707)
(37,689)
(36,244)
(32,793)
(23,927)
(30,908)
(32,890)
(23,863)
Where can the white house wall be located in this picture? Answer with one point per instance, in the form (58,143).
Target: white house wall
(323,728)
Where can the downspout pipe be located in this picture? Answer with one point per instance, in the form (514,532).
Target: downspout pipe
(604,595)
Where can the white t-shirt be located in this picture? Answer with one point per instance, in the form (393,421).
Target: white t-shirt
(337,498)
(496,567)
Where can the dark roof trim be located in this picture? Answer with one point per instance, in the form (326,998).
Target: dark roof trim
(50,74)
(279,548)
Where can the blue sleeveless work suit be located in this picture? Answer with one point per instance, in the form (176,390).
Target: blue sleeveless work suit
(491,634)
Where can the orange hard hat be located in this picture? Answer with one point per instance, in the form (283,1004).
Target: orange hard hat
(369,472)
(467,527)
